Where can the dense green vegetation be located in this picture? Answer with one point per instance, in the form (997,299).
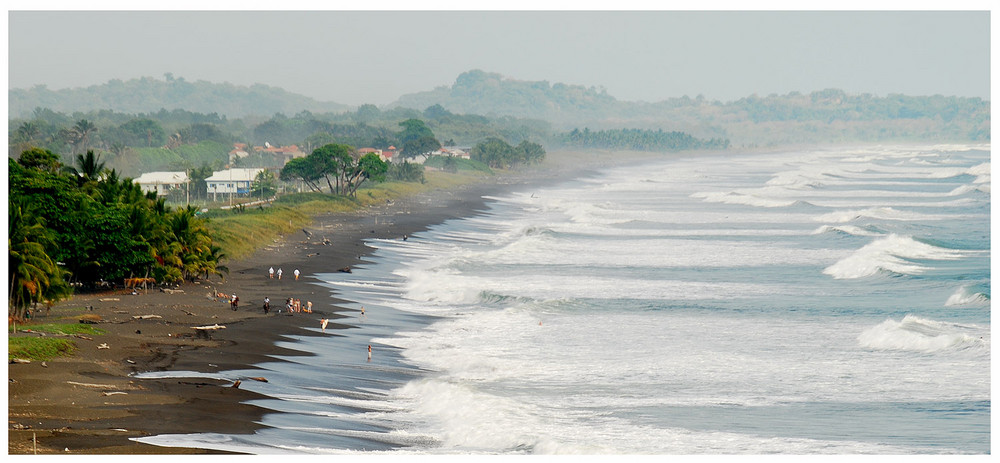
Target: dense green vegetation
(497,153)
(334,164)
(85,225)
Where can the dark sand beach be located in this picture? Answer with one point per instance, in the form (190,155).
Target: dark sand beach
(87,403)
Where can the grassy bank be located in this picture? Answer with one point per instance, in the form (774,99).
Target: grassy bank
(41,342)
(239,232)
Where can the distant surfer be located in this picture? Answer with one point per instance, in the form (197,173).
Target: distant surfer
(363,313)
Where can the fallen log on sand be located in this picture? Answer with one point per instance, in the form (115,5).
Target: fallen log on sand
(209,327)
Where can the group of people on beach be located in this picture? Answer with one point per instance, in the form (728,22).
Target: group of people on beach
(271,273)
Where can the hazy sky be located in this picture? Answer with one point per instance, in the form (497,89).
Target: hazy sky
(356,57)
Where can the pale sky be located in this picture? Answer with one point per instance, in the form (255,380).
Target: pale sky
(356,57)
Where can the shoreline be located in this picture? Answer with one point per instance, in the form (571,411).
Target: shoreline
(87,403)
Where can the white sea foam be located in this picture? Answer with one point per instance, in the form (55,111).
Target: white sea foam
(892,254)
(881,213)
(745,199)
(918,334)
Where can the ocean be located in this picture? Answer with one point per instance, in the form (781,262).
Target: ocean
(815,301)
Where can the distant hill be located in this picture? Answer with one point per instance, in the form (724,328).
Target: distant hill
(823,116)
(145,95)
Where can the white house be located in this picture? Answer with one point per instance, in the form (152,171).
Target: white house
(235,181)
(161,182)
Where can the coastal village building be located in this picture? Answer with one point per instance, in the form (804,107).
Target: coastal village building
(282,154)
(452,151)
(162,182)
(386,155)
(232,181)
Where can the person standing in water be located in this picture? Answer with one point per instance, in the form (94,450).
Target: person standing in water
(369,352)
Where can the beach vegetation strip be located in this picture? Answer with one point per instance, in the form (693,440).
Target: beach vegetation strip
(41,342)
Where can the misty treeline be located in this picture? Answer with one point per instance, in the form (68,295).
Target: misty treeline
(83,224)
(641,140)
(821,116)
(184,140)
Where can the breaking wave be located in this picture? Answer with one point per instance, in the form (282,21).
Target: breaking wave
(889,254)
(917,334)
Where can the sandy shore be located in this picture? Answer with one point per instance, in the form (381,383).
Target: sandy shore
(88,404)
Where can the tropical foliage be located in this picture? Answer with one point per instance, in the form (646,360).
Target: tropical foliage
(640,140)
(85,224)
(497,153)
(335,164)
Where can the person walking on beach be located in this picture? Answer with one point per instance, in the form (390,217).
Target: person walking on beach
(235,303)
(270,273)
(323,323)
(369,352)
(279,273)
(296,272)
(267,305)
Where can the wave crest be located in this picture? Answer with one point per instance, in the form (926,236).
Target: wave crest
(967,297)
(889,254)
(846,229)
(917,334)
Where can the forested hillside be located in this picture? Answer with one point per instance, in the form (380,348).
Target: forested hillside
(822,116)
(147,95)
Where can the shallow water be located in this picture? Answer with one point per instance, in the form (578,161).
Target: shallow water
(807,302)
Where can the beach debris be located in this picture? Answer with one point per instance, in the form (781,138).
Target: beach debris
(209,327)
(171,291)
(114,393)
(90,318)
(97,386)
(138,331)
(130,361)
(104,345)
(185,311)
(236,385)
(124,312)
(307,233)
(345,270)
(17,360)
(45,365)
(258,378)
(144,317)
(109,299)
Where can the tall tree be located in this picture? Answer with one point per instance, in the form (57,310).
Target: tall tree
(82,130)
(369,167)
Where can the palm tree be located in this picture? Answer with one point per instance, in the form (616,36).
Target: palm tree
(89,168)
(83,128)
(34,276)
